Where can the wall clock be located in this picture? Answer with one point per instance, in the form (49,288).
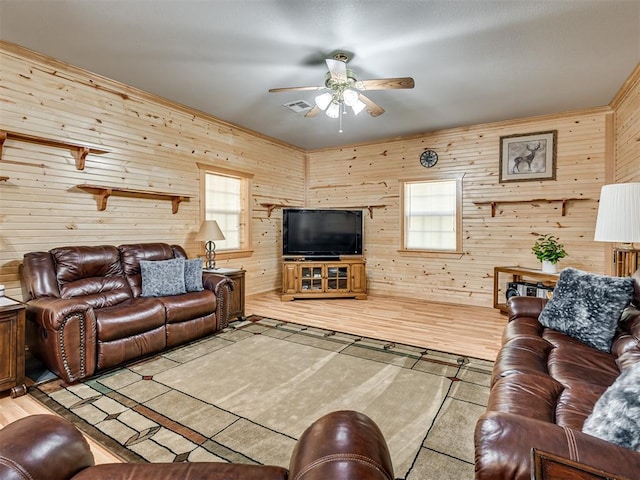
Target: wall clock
(428,158)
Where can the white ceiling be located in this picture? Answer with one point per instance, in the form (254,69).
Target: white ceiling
(473,61)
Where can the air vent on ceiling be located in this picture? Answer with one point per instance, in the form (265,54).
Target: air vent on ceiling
(298,106)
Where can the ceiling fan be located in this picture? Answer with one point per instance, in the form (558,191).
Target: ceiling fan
(344,90)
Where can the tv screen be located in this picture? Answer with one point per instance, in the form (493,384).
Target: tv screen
(321,233)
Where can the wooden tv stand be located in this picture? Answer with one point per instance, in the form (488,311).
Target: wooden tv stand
(343,278)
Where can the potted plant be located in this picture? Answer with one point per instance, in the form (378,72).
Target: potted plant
(549,250)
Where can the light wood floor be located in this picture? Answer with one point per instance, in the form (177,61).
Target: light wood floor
(463,329)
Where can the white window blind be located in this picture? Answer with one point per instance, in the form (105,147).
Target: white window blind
(223,203)
(430,215)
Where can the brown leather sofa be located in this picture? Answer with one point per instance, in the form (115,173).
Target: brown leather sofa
(544,386)
(85,311)
(343,445)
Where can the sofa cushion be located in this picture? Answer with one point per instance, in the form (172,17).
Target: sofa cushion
(93,273)
(616,415)
(129,318)
(193,275)
(131,254)
(189,306)
(587,306)
(162,278)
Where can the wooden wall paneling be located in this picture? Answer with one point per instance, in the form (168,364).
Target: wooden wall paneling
(153,145)
(369,173)
(626,107)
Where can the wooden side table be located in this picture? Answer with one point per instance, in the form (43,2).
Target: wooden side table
(236,309)
(547,466)
(12,346)
(519,274)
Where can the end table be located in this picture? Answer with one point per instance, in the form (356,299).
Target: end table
(236,309)
(12,346)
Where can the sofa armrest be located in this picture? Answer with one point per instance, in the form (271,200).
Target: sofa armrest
(503,443)
(341,445)
(221,286)
(51,313)
(62,333)
(45,447)
(520,307)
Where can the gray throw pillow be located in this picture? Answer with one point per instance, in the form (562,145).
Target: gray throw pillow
(616,414)
(162,278)
(193,275)
(587,306)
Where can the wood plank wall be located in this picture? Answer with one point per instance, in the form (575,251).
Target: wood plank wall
(626,107)
(371,174)
(153,145)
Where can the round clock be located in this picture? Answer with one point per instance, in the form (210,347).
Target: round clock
(428,158)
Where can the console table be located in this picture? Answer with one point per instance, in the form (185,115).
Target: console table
(12,346)
(519,274)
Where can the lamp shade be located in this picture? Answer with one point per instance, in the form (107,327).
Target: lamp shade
(209,230)
(619,213)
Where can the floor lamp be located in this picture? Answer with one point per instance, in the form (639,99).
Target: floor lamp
(619,222)
(208,233)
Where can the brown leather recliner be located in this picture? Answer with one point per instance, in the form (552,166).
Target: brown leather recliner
(85,311)
(343,445)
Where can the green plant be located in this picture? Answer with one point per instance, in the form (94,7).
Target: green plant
(549,248)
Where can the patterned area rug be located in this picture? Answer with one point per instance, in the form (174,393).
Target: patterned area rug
(247,393)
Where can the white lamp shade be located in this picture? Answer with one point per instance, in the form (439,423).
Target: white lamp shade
(209,230)
(333,111)
(619,213)
(358,107)
(323,101)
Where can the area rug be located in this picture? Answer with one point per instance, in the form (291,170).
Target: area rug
(247,394)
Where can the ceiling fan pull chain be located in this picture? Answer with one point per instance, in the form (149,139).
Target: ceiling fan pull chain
(340,119)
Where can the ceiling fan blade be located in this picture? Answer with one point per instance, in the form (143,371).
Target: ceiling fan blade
(338,70)
(387,83)
(373,108)
(313,112)
(292,89)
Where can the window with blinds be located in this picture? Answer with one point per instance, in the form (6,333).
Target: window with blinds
(431,215)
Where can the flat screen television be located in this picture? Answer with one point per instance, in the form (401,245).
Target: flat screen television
(317,233)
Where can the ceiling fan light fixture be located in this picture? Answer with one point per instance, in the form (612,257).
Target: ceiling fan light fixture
(323,101)
(333,111)
(358,107)
(350,97)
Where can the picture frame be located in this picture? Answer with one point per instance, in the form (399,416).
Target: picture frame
(528,157)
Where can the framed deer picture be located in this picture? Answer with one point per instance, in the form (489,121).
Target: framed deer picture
(528,157)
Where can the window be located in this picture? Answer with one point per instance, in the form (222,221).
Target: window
(431,215)
(225,199)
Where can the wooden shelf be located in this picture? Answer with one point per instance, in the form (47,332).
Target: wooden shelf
(79,152)
(103,193)
(271,206)
(495,203)
(518,274)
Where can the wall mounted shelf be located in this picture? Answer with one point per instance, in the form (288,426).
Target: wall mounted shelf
(103,193)
(494,203)
(271,206)
(79,152)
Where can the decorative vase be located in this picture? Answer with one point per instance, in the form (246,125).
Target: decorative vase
(548,267)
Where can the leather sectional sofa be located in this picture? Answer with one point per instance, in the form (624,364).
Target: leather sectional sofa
(86,309)
(544,386)
(343,445)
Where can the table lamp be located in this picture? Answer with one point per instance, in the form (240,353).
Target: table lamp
(619,222)
(208,233)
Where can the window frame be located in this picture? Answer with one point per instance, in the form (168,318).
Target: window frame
(245,178)
(458,221)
